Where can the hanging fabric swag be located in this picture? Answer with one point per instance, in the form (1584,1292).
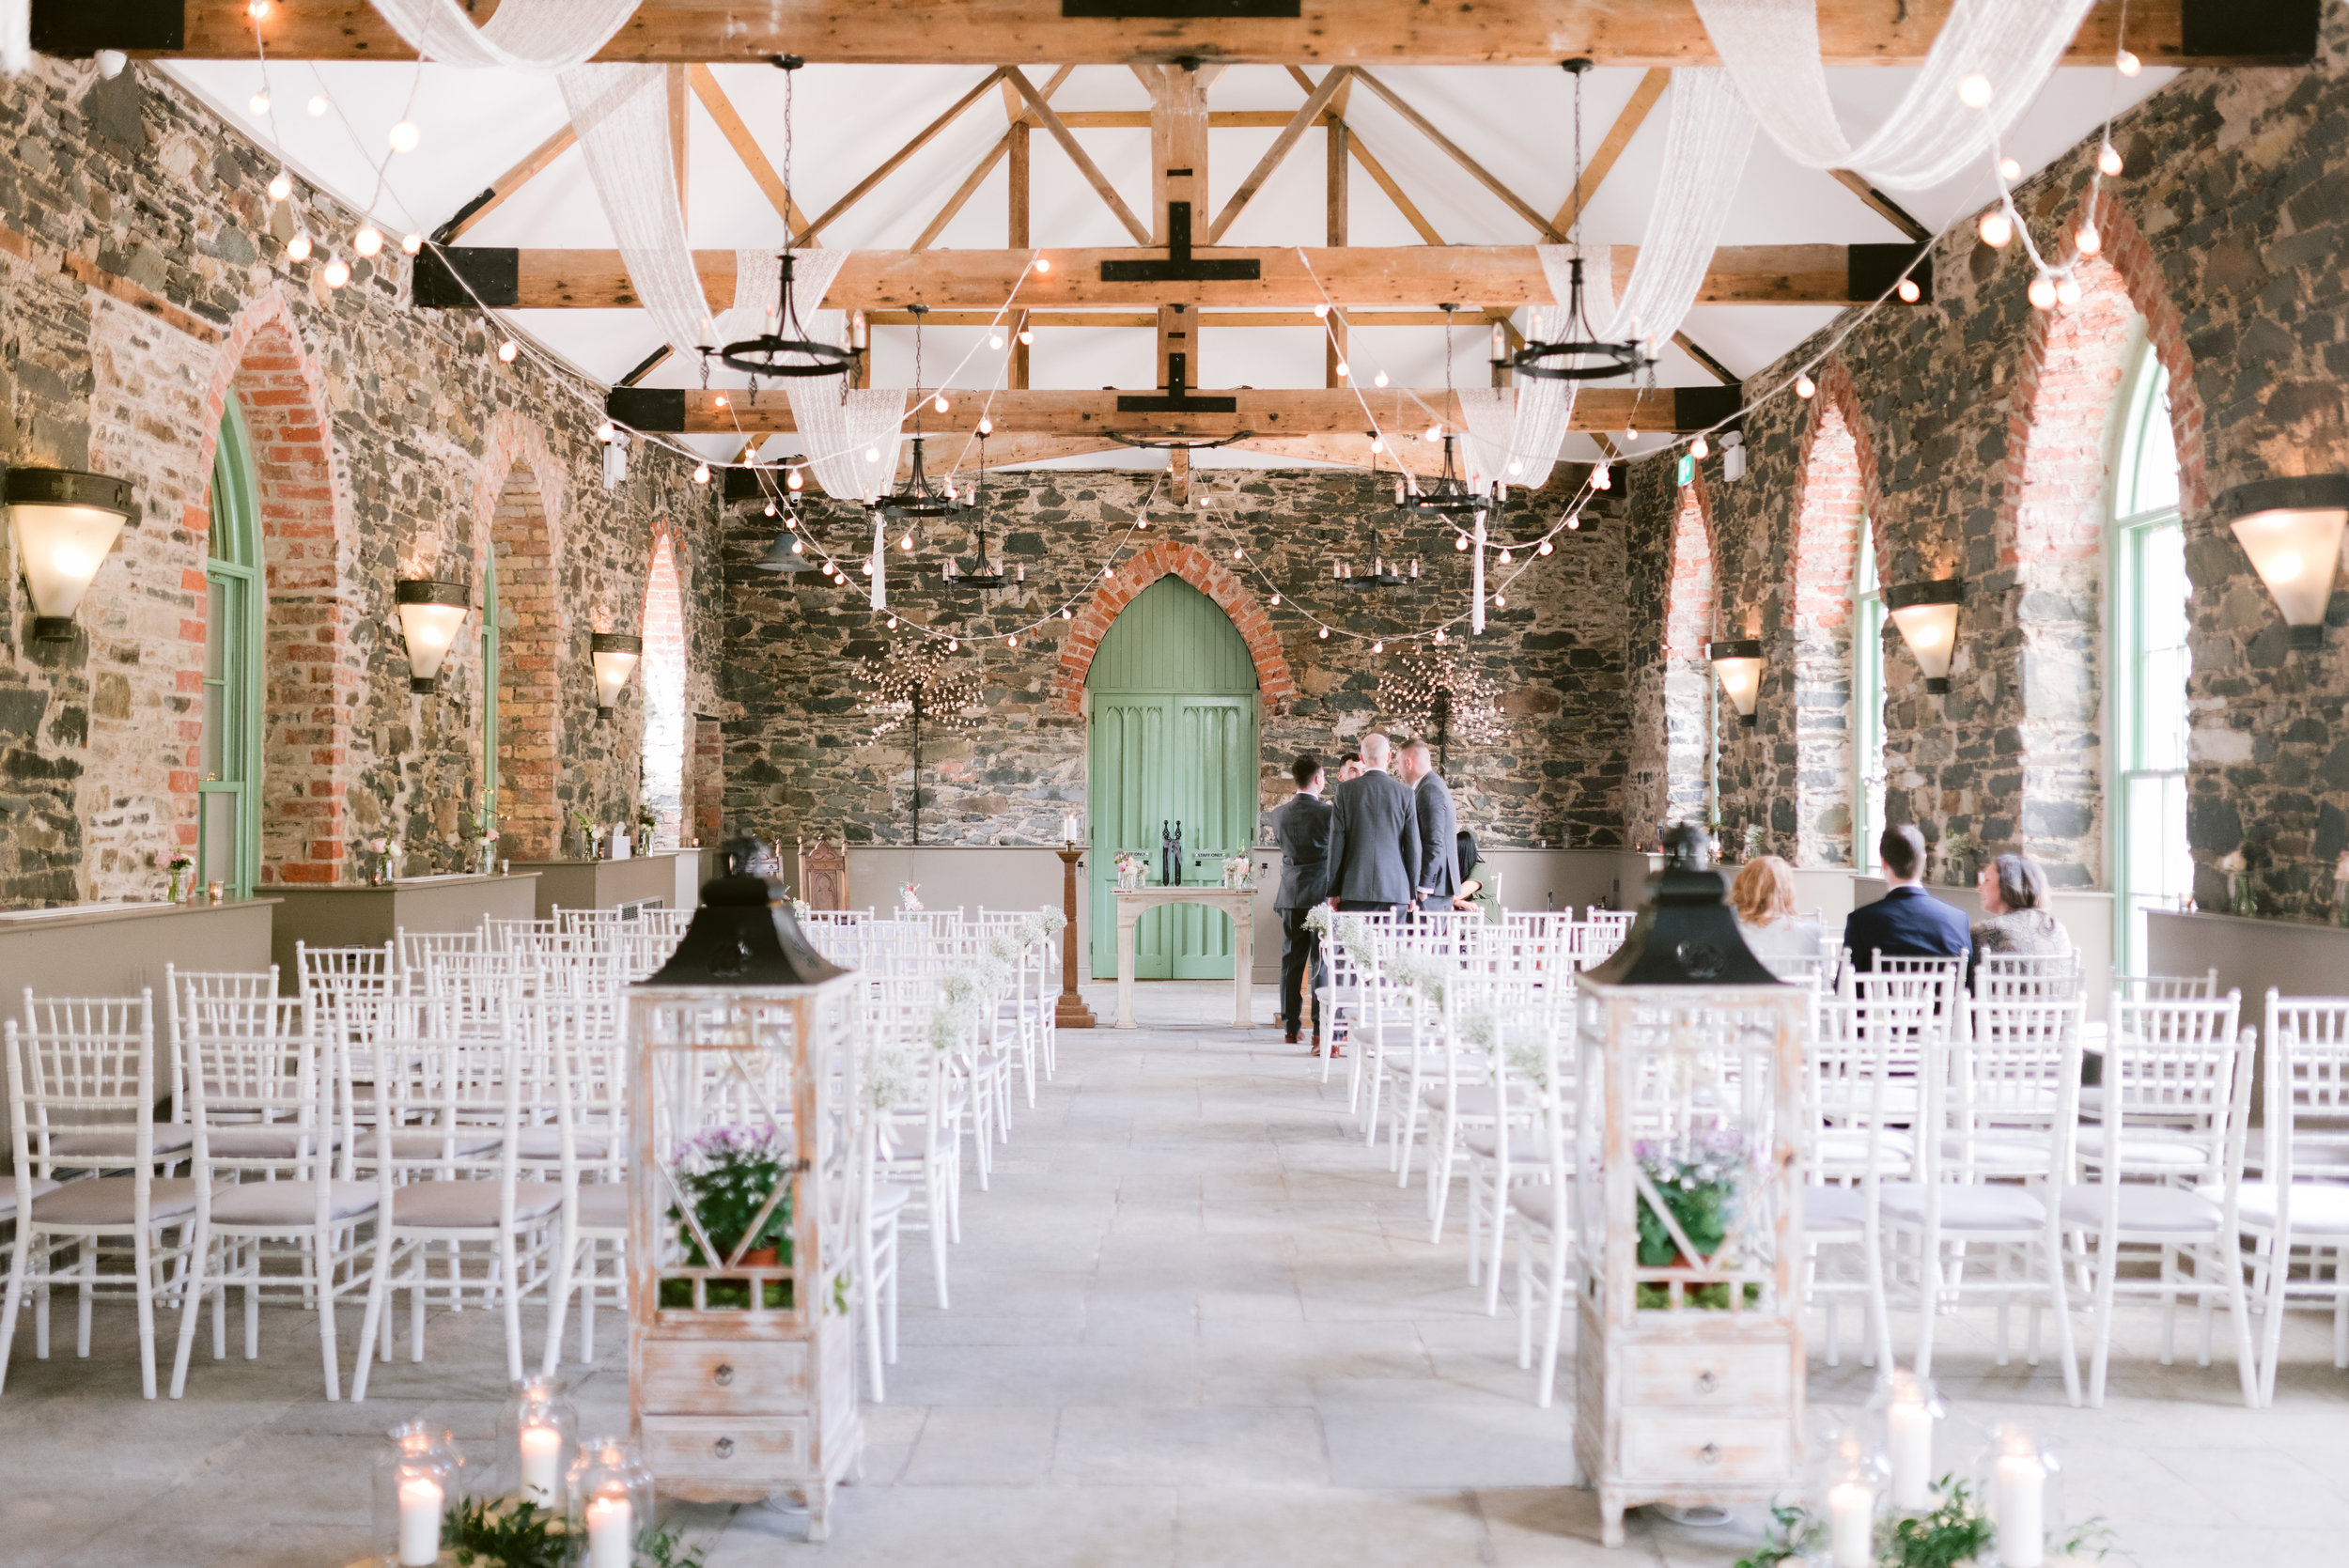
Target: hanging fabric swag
(524,35)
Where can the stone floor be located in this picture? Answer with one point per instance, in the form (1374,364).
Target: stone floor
(1194,1322)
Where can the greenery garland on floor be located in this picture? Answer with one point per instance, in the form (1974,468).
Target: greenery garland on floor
(512,1532)
(1956,1534)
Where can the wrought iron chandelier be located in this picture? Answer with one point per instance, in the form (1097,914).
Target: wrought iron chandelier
(1382,573)
(786,349)
(922,496)
(1577,353)
(986,571)
(1451,497)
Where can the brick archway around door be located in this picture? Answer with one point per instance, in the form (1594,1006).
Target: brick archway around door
(311,673)
(1275,685)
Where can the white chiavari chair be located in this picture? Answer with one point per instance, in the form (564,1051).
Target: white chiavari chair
(586,1150)
(1542,1209)
(262,1163)
(434,1104)
(2298,1209)
(1980,1220)
(1504,1151)
(417,949)
(1854,1146)
(254,984)
(83,1086)
(917,1143)
(2176,1106)
(503,936)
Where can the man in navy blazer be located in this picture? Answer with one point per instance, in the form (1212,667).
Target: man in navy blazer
(1908,922)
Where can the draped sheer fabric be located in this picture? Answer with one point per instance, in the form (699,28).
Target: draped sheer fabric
(524,35)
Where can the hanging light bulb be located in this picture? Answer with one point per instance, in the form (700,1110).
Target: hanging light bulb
(954,644)
(258,9)
(795,479)
(1602,477)
(1377,444)
(280,185)
(368,240)
(1996,227)
(1011,641)
(1699,449)
(700,473)
(1459,542)
(1908,290)
(1276,599)
(1027,338)
(606,432)
(1805,387)
(722,399)
(866,568)
(799,546)
(872,453)
(1379,648)
(1342,369)
(2042,292)
(2127,64)
(337,271)
(2067,290)
(1236,552)
(1574,524)
(1321,313)
(1504,558)
(507,350)
(906,543)
(1325,634)
(2108,159)
(1516,465)
(404,136)
(986,426)
(2087,240)
(1379,380)
(1974,92)
(259,103)
(1435,432)
(1500,601)
(893,623)
(940,403)
(411,243)
(995,340)
(1440,634)
(1544,548)
(771,508)
(2008,170)
(318,105)
(1043,263)
(1064,612)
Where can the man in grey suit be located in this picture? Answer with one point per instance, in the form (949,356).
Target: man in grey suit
(1439,826)
(1301,828)
(1374,837)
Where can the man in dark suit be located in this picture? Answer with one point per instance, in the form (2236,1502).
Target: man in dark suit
(1439,826)
(1301,828)
(1908,922)
(1374,837)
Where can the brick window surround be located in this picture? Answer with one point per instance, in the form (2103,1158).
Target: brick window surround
(1689,605)
(312,679)
(1274,684)
(1837,489)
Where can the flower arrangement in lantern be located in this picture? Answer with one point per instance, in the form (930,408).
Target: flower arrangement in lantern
(733,1179)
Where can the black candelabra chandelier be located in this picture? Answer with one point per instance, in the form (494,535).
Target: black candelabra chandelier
(786,349)
(1449,496)
(986,570)
(1577,353)
(1383,573)
(922,496)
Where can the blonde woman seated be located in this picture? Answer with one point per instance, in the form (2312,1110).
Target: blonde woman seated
(1764,899)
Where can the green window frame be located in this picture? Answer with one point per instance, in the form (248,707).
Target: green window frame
(1867,699)
(229,787)
(2150,864)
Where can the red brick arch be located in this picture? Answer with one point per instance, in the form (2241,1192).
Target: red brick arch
(1274,684)
(312,678)
(518,500)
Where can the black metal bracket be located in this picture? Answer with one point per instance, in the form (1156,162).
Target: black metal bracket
(1177,398)
(1871,270)
(1179,266)
(658,409)
(451,277)
(76,29)
(1179,10)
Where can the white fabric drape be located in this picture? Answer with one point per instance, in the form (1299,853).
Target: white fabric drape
(1771,48)
(621,113)
(524,35)
(839,424)
(16,36)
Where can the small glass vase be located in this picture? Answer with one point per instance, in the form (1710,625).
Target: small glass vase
(1904,1419)
(611,1492)
(2021,1486)
(1849,1494)
(537,1440)
(2244,902)
(416,1483)
(175,886)
(486,857)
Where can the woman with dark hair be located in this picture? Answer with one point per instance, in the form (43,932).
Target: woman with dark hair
(1477,879)
(2014,918)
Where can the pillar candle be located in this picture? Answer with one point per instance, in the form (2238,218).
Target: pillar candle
(1908,1433)
(611,1532)
(542,1454)
(419,1522)
(1851,1525)
(2018,1488)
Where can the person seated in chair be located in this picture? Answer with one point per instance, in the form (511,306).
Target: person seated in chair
(1908,922)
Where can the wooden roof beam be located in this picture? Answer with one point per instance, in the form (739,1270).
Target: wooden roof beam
(890,165)
(1452,150)
(1619,134)
(746,148)
(1655,33)
(1086,166)
(507,184)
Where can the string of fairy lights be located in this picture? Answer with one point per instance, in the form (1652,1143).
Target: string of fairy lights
(2054,283)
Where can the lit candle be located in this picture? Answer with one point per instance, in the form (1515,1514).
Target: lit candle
(419,1522)
(1851,1525)
(611,1532)
(542,1454)
(1068,829)
(1908,1433)
(2019,1493)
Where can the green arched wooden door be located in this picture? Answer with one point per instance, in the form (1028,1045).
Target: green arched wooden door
(1172,700)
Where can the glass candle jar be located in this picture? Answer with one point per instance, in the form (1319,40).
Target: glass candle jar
(538,1442)
(2021,1489)
(415,1485)
(1850,1488)
(1904,1416)
(611,1492)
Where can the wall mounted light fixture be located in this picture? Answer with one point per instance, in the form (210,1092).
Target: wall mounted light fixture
(2291,529)
(614,654)
(63,523)
(430,613)
(1738,661)
(1926,612)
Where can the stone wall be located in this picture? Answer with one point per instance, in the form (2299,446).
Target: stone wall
(144,281)
(800,757)
(1982,430)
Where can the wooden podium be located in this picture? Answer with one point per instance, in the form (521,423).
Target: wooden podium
(1071,1011)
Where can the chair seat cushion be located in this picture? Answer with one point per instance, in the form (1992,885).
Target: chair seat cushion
(2154,1147)
(1968,1209)
(547,1143)
(603,1206)
(1476,1100)
(469,1206)
(1525,1149)
(2143,1207)
(31,1185)
(1833,1208)
(428,1145)
(2318,1208)
(111,1201)
(290,1204)
(266,1143)
(1849,1146)
(1538,1203)
(120,1142)
(889,1200)
(2001,1152)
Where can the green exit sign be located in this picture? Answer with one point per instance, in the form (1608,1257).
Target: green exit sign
(1684,470)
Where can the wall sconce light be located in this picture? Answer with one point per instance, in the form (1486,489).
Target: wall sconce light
(2291,529)
(63,523)
(616,654)
(1926,612)
(429,614)
(1738,662)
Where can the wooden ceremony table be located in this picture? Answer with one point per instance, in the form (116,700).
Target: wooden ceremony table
(1237,903)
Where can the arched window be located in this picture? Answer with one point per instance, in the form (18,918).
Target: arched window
(664,672)
(2152,866)
(1687,749)
(229,788)
(1867,703)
